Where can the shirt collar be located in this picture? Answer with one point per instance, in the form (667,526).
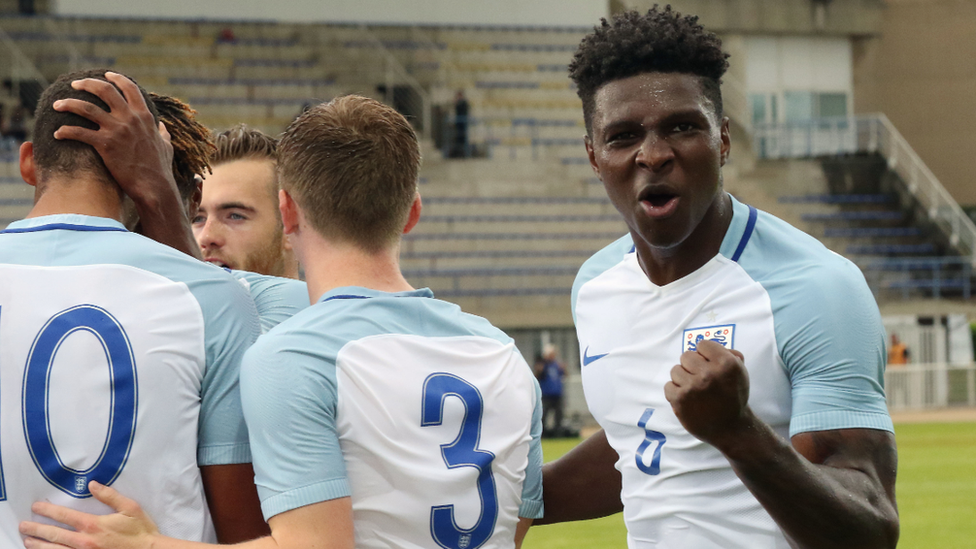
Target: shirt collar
(358,292)
(67,221)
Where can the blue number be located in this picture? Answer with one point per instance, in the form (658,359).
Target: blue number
(463,452)
(650,436)
(124,399)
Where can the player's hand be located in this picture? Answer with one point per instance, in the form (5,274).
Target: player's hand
(128,528)
(709,393)
(135,149)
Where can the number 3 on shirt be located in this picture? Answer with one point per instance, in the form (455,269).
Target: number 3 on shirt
(463,452)
(35,397)
(650,436)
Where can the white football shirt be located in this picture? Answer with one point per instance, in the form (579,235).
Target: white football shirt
(119,362)
(813,342)
(428,417)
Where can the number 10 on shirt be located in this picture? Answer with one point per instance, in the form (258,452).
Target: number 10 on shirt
(36,400)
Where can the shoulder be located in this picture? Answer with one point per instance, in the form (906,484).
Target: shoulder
(599,263)
(275,298)
(779,255)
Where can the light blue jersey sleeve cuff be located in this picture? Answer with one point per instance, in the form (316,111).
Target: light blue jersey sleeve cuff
(840,419)
(276,503)
(224,454)
(531,508)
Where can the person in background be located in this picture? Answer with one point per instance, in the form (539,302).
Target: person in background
(462,121)
(550,374)
(897,352)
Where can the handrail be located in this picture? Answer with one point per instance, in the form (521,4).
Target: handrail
(53,26)
(21,60)
(871,133)
(735,102)
(393,64)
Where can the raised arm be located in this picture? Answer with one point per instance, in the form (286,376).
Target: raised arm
(137,152)
(831,489)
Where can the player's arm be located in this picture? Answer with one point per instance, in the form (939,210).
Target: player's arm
(325,525)
(830,489)
(138,154)
(583,484)
(521,529)
(233,501)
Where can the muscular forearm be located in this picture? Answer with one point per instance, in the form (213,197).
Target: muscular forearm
(842,502)
(583,484)
(162,219)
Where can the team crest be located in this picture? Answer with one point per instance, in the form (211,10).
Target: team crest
(724,335)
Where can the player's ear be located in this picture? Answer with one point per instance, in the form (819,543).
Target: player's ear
(414,216)
(28,169)
(289,212)
(196,197)
(726,137)
(588,142)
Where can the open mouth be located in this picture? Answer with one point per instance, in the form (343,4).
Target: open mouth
(658,200)
(658,203)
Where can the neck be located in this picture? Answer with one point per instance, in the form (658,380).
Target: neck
(81,194)
(665,265)
(330,264)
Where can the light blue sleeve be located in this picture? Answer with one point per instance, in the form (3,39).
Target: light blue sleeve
(290,405)
(827,326)
(276,299)
(598,263)
(532,487)
(231,327)
(832,341)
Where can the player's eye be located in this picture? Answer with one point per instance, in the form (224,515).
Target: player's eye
(234,216)
(198,220)
(620,136)
(683,127)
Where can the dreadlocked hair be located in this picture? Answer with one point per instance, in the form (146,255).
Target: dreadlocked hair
(662,40)
(192,143)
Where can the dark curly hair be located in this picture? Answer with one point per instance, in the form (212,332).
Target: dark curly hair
(192,145)
(660,41)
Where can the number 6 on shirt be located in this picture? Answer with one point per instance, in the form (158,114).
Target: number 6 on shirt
(650,436)
(462,452)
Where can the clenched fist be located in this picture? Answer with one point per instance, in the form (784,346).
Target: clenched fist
(709,393)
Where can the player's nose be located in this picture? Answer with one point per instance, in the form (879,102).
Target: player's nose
(210,235)
(655,152)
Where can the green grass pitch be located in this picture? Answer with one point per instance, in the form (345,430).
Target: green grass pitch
(936,494)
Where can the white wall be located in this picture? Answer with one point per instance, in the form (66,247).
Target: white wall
(433,12)
(819,64)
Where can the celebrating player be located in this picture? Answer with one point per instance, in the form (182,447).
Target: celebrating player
(120,356)
(772,429)
(397,412)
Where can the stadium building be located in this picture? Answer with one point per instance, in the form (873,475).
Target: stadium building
(852,120)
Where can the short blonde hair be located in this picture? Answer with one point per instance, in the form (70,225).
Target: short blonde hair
(351,165)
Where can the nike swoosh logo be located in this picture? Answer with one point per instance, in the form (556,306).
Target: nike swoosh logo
(589,359)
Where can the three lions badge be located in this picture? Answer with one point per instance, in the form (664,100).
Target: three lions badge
(723,335)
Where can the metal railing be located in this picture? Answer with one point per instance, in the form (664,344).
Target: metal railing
(921,386)
(937,276)
(872,134)
(20,67)
(396,74)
